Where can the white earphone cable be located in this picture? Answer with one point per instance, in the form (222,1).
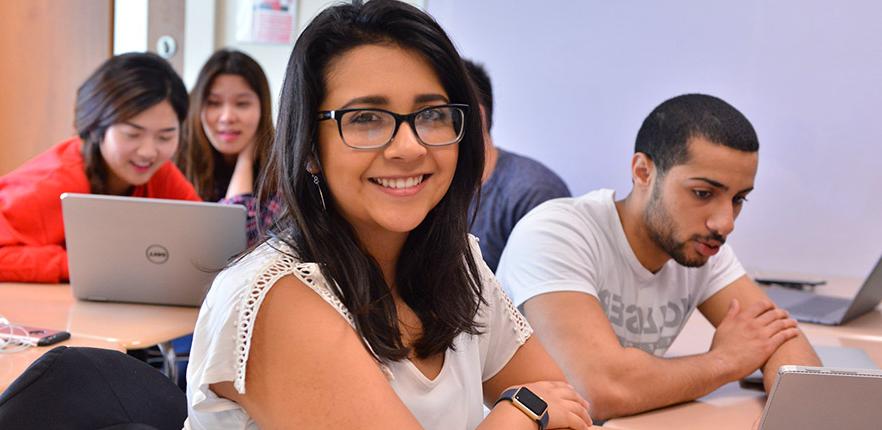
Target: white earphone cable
(13,338)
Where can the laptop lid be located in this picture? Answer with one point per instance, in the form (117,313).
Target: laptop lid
(869,296)
(141,250)
(809,398)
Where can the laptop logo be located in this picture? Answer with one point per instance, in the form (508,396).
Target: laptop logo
(157,254)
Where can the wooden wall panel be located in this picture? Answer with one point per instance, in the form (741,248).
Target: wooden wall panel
(49,47)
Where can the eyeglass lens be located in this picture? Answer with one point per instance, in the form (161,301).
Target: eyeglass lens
(373,128)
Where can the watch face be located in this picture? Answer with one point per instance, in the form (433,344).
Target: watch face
(531,401)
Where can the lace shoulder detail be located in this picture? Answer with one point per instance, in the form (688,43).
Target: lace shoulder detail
(488,280)
(310,274)
(521,326)
(249,304)
(285,263)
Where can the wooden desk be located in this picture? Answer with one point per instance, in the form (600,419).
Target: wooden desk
(129,325)
(729,407)
(732,407)
(116,326)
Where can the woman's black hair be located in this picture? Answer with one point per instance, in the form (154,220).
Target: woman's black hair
(436,273)
(120,89)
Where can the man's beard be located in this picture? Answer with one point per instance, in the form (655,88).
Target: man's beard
(663,231)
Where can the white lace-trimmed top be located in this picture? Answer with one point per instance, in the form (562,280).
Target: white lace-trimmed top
(221,343)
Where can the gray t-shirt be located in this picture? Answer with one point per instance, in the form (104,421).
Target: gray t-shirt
(517,185)
(579,244)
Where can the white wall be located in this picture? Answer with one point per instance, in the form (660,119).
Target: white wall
(129,26)
(574,80)
(199,31)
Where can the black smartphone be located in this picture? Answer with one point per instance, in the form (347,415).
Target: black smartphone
(34,335)
(790,283)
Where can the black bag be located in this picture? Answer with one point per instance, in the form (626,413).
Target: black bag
(91,388)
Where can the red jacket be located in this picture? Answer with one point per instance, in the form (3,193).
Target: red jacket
(31,227)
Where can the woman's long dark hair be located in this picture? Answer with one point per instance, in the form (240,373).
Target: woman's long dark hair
(436,274)
(121,88)
(197,158)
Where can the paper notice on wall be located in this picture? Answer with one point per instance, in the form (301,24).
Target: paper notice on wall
(266,21)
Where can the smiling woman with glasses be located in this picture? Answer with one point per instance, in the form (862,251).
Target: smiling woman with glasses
(372,308)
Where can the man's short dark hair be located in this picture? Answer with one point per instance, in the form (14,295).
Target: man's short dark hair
(665,133)
(485,89)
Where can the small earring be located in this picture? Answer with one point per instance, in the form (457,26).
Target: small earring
(315,180)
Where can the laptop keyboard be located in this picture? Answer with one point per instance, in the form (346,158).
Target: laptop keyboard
(819,306)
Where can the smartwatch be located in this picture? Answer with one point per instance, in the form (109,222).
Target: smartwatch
(529,403)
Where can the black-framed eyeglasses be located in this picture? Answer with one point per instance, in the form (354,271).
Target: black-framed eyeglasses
(364,128)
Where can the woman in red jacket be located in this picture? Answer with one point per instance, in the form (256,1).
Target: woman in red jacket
(128,117)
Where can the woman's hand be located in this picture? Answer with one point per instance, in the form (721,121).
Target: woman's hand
(246,157)
(242,181)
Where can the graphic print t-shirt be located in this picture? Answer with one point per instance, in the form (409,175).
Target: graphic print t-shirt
(578,244)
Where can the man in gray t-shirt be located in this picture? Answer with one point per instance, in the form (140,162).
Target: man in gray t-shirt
(607,284)
(512,184)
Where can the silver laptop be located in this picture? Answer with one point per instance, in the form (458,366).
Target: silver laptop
(821,309)
(808,398)
(139,250)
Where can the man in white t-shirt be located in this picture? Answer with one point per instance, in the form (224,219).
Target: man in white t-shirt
(608,285)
